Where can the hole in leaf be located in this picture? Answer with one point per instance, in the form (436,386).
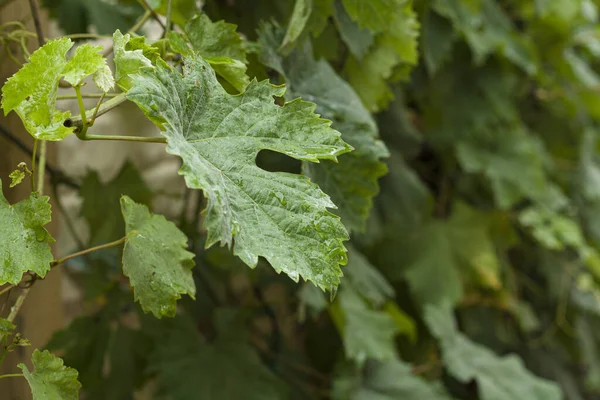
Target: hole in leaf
(273,161)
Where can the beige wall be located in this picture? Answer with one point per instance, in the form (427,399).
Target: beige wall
(42,311)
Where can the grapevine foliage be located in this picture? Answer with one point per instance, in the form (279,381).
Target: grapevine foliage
(430,169)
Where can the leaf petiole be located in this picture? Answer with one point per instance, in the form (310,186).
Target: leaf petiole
(88,251)
(11,376)
(139,139)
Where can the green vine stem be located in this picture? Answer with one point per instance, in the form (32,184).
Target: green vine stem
(169,12)
(88,251)
(11,376)
(139,139)
(104,108)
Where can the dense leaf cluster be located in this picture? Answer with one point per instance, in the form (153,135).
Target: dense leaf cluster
(426,172)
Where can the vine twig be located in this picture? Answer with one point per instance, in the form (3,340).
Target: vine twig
(88,251)
(35,13)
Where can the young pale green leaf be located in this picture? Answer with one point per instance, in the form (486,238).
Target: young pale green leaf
(280,216)
(392,380)
(367,333)
(351,183)
(31,92)
(24,243)
(16,177)
(88,61)
(6,327)
(226,368)
(497,377)
(219,44)
(130,60)
(156,260)
(50,379)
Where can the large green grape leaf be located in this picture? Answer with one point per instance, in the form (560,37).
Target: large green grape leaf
(24,242)
(50,379)
(156,260)
(392,380)
(498,378)
(189,367)
(280,216)
(351,183)
(366,333)
(390,58)
(32,91)
(219,44)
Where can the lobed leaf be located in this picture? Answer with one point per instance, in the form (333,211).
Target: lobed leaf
(497,377)
(155,260)
(279,216)
(32,91)
(24,242)
(50,379)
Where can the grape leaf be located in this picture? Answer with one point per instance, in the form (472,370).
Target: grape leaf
(498,378)
(24,243)
(351,183)
(358,40)
(300,16)
(279,216)
(16,177)
(450,250)
(50,379)
(129,61)
(391,57)
(375,15)
(31,92)
(487,29)
(87,61)
(366,279)
(367,333)
(226,368)
(155,260)
(219,44)
(390,380)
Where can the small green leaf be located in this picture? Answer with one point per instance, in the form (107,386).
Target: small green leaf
(497,377)
(219,44)
(374,14)
(32,91)
(129,61)
(16,177)
(280,216)
(50,379)
(358,40)
(88,61)
(6,327)
(24,243)
(155,260)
